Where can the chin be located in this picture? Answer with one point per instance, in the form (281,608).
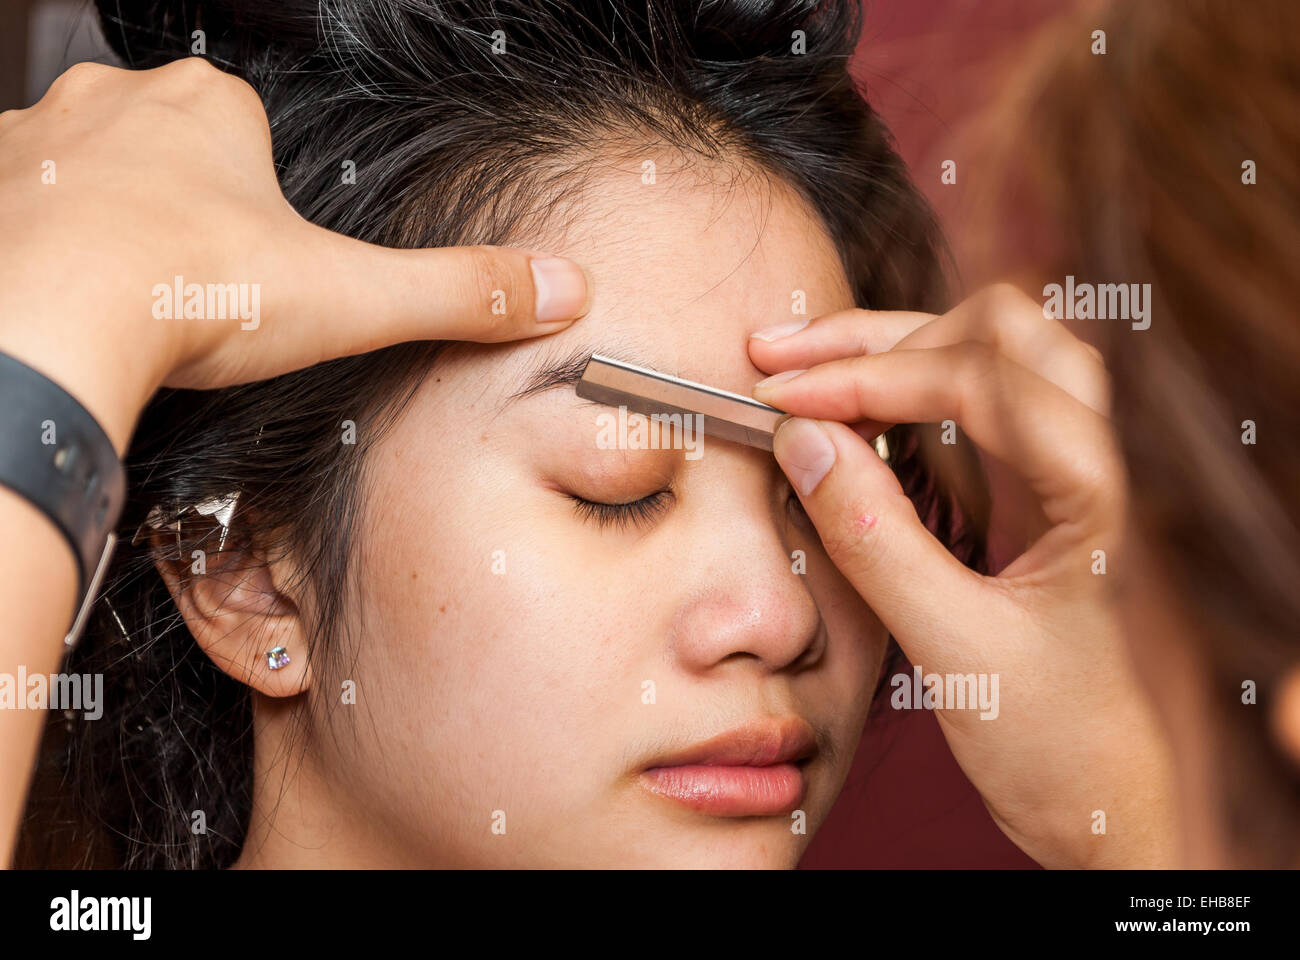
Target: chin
(752,845)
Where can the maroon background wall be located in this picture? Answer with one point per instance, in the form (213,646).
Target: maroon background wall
(927,67)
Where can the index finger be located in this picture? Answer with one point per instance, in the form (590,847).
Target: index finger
(831,336)
(1011,412)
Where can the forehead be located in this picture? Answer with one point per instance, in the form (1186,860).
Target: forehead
(684,268)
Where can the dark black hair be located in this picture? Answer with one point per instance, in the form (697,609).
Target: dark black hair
(452,143)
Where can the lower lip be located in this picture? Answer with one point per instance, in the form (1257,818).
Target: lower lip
(730,791)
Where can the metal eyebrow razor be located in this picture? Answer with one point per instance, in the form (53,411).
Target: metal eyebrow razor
(728,416)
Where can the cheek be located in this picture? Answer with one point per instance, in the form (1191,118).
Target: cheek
(495,639)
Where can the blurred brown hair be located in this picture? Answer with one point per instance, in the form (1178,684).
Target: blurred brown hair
(1136,158)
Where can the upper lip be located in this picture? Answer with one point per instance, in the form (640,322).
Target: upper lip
(761,743)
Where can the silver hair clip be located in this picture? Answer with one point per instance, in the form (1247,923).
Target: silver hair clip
(222,509)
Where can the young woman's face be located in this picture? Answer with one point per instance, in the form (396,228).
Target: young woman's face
(537,687)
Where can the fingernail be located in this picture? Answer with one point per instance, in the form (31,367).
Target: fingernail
(780,330)
(804,452)
(561,289)
(776,378)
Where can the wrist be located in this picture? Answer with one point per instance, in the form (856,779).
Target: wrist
(110,383)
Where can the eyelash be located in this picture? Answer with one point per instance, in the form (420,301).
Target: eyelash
(622,515)
(648,509)
(794,504)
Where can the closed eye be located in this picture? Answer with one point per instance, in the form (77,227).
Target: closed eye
(642,512)
(797,512)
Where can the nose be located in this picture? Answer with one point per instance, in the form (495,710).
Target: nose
(748,603)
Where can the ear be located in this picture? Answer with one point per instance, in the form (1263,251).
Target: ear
(232,600)
(1285,715)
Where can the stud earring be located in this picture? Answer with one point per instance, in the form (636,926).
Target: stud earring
(277,657)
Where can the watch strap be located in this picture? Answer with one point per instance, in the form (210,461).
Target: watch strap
(58,457)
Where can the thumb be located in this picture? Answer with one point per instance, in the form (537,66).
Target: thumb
(342,296)
(870,529)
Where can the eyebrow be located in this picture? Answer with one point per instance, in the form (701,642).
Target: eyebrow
(566,370)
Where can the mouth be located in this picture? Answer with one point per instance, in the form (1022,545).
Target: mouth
(754,771)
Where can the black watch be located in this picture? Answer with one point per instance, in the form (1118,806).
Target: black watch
(57,456)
